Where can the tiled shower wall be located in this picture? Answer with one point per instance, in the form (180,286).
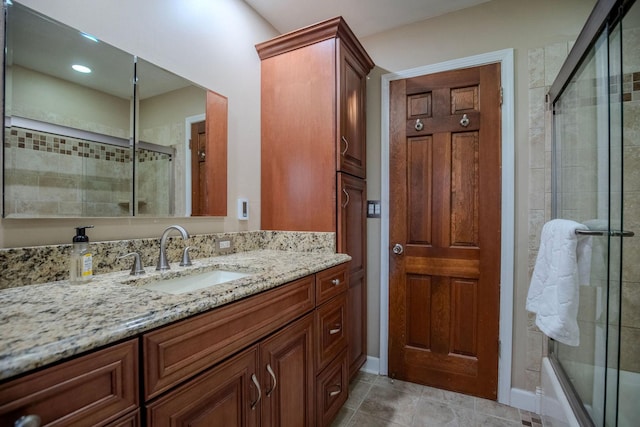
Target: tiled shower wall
(56,176)
(154,186)
(544,64)
(630,316)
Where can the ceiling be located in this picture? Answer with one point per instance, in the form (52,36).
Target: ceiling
(365,17)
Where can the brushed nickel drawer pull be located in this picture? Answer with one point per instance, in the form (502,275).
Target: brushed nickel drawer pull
(273,377)
(28,421)
(335,282)
(255,382)
(336,330)
(335,393)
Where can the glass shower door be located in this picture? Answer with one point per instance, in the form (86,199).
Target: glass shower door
(581,179)
(596,166)
(628,408)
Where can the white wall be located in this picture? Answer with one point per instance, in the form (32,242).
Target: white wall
(208,42)
(67,104)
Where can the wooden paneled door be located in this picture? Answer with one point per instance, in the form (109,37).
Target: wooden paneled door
(444,231)
(198,146)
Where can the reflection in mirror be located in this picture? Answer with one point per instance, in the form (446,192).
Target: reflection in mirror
(166,108)
(182,140)
(67,133)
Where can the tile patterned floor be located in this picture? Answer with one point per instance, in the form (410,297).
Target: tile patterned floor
(376,401)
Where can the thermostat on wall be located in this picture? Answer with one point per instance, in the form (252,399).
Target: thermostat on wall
(243,209)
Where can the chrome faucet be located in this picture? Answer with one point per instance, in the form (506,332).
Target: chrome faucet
(162,260)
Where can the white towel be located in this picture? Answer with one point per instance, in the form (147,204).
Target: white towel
(563,264)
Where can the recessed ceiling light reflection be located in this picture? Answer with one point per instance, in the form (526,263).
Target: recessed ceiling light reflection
(89,36)
(81,68)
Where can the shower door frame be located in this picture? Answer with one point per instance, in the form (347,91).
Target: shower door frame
(605,16)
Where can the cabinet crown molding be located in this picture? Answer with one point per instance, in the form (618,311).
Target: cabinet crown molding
(332,28)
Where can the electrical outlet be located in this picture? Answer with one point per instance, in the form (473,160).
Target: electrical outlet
(224,245)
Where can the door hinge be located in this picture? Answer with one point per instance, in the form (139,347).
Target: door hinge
(501,95)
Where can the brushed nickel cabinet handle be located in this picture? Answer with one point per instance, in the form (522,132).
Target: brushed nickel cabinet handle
(346,145)
(335,282)
(344,190)
(255,382)
(28,421)
(273,377)
(336,330)
(337,392)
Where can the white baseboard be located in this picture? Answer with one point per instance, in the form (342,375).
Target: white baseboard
(372,365)
(524,399)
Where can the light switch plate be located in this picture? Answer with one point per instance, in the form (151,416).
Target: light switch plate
(243,209)
(373,208)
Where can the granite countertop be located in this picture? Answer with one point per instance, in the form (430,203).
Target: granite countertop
(42,324)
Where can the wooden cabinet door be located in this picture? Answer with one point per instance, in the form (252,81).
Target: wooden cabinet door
(286,363)
(226,395)
(351,110)
(352,240)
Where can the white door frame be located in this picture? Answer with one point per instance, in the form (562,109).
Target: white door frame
(507,245)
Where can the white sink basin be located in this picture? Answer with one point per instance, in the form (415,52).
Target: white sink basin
(193,282)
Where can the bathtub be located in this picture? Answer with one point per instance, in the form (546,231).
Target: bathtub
(554,404)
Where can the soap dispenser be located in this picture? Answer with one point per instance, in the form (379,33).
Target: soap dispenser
(81,270)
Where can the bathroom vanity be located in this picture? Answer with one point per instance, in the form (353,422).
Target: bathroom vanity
(267,349)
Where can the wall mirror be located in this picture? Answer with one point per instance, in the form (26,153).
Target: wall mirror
(113,139)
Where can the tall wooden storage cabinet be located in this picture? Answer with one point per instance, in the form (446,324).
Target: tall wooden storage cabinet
(314,149)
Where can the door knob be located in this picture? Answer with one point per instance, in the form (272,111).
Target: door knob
(398,249)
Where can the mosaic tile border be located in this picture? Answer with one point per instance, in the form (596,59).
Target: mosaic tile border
(29,139)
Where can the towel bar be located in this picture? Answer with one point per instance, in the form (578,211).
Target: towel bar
(612,233)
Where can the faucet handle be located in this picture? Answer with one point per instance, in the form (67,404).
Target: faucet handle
(186,260)
(136,268)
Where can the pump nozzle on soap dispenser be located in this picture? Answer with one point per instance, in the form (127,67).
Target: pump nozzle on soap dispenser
(81,269)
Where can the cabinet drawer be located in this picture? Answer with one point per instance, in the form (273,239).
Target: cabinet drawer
(177,352)
(331,330)
(332,390)
(92,390)
(331,282)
